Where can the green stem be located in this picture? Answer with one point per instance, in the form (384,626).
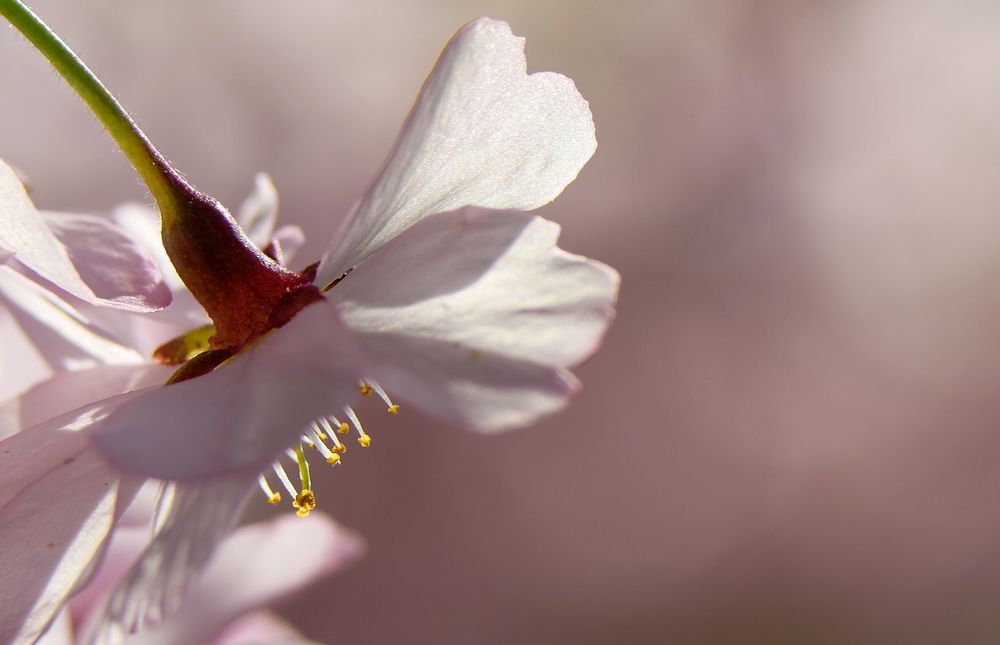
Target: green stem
(166,186)
(244,292)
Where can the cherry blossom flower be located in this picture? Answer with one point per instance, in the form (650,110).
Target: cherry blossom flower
(440,290)
(432,291)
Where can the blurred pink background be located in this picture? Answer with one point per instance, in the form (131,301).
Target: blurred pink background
(792,433)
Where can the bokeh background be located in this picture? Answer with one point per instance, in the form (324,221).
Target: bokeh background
(792,433)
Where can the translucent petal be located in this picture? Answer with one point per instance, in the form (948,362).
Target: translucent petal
(112,270)
(114,267)
(58,502)
(198,517)
(258,213)
(59,332)
(476,316)
(67,391)
(253,568)
(239,416)
(482,132)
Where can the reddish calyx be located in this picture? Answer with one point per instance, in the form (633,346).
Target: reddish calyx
(244,292)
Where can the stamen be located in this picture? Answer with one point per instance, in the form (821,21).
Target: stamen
(315,435)
(283,478)
(392,408)
(337,446)
(363,438)
(331,457)
(272,497)
(342,427)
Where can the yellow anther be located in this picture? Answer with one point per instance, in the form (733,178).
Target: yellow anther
(273,497)
(316,435)
(304,502)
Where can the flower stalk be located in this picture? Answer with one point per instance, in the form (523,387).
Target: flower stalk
(244,292)
(163,182)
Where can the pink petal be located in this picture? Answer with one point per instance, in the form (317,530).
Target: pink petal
(115,268)
(258,213)
(142,224)
(261,627)
(58,498)
(125,545)
(291,238)
(59,332)
(238,417)
(198,517)
(57,505)
(255,567)
(24,233)
(18,349)
(69,390)
(60,632)
(258,216)
(476,316)
(115,274)
(482,132)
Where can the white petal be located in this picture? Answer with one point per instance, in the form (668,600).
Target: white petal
(18,349)
(124,547)
(24,233)
(123,278)
(198,518)
(142,224)
(57,505)
(258,213)
(483,133)
(67,391)
(475,315)
(241,415)
(290,238)
(114,267)
(257,566)
(259,628)
(60,632)
(60,333)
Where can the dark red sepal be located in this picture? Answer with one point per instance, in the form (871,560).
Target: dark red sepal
(238,285)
